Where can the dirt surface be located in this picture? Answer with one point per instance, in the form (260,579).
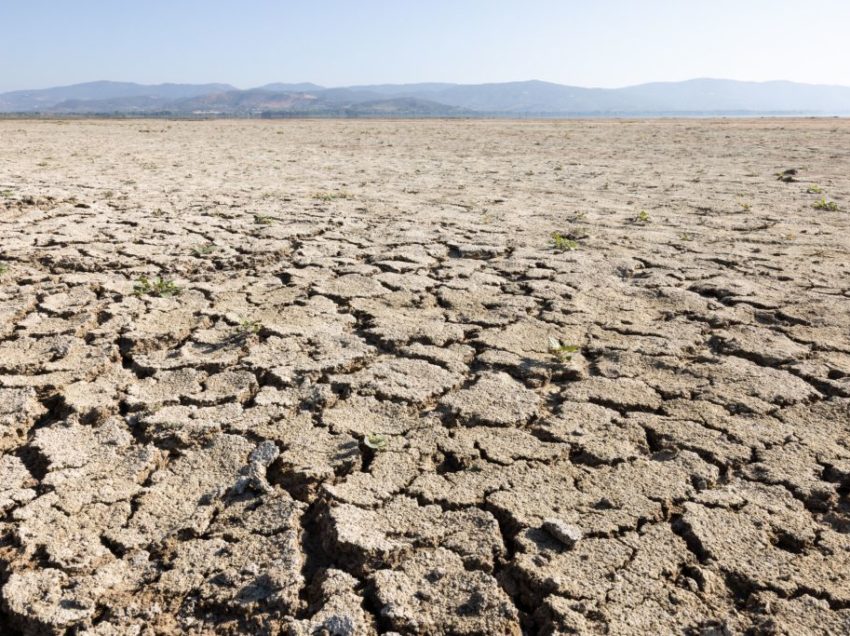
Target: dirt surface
(361,389)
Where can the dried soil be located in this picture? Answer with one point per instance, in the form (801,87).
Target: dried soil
(350,417)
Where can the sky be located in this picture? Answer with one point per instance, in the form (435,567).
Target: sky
(593,43)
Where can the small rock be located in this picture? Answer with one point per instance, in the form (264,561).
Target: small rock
(566,533)
(260,459)
(265,453)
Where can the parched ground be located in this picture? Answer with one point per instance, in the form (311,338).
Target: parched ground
(364,390)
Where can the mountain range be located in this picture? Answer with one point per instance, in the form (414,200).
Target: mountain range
(517,99)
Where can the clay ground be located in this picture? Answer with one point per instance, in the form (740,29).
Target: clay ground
(642,430)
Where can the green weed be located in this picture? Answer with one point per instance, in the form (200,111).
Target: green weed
(563,244)
(562,352)
(248,327)
(330,196)
(159,287)
(376,441)
(203,250)
(263,219)
(786,176)
(823,204)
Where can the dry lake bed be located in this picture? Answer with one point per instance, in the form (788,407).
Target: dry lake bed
(425,377)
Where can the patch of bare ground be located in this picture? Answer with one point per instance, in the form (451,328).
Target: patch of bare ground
(466,377)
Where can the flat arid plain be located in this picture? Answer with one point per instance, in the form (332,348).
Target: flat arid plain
(425,377)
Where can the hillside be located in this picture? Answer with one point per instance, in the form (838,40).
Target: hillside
(529,98)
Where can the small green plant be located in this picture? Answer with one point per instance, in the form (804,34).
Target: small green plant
(746,207)
(642,217)
(3,268)
(203,250)
(6,194)
(562,352)
(159,287)
(786,176)
(263,219)
(814,189)
(563,244)
(685,236)
(823,204)
(376,441)
(248,327)
(330,196)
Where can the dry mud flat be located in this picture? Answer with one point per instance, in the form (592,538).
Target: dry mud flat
(349,418)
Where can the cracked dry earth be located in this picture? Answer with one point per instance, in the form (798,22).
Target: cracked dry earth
(197,462)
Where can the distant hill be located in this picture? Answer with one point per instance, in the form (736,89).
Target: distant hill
(44,99)
(692,96)
(530,98)
(258,102)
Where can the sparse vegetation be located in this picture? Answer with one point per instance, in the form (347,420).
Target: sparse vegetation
(814,189)
(563,243)
(685,236)
(376,441)
(562,352)
(746,207)
(159,287)
(787,176)
(823,204)
(3,269)
(330,196)
(642,217)
(263,219)
(249,327)
(204,249)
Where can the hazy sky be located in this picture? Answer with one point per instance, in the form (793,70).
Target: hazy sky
(334,42)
